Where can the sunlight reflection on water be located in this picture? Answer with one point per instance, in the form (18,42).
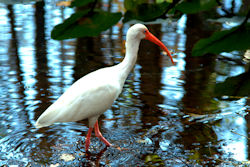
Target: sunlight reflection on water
(148,117)
(232,131)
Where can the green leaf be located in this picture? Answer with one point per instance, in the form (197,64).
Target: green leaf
(154,159)
(195,6)
(130,4)
(145,12)
(79,3)
(237,38)
(80,24)
(234,86)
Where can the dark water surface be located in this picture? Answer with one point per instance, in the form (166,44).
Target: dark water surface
(166,115)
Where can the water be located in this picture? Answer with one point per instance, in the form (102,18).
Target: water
(166,115)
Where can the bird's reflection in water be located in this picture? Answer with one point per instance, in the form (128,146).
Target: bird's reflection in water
(94,158)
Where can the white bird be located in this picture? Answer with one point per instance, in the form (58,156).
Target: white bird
(93,94)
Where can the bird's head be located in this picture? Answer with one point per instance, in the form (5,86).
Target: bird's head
(140,31)
(137,31)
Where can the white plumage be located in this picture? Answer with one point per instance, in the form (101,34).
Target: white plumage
(88,97)
(94,93)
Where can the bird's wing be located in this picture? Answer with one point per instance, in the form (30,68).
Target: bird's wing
(84,99)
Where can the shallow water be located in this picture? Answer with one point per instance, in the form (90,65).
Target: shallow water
(166,115)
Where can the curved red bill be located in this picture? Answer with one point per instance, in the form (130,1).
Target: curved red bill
(152,38)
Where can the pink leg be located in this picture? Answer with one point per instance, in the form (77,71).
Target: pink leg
(99,135)
(87,141)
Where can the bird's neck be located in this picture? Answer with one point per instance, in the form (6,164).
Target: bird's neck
(132,47)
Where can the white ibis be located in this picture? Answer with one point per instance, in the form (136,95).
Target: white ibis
(93,94)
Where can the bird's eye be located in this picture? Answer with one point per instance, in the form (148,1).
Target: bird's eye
(145,31)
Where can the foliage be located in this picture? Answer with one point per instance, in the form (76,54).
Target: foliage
(195,6)
(145,12)
(78,25)
(130,4)
(236,38)
(85,22)
(80,3)
(234,86)
(154,159)
(89,20)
